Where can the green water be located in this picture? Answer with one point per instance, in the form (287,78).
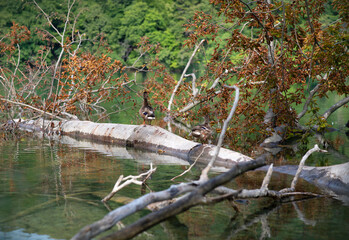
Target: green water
(50,190)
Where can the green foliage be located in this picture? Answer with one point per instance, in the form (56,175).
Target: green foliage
(120,23)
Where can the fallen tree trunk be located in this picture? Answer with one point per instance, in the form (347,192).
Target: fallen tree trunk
(144,137)
(195,193)
(334,180)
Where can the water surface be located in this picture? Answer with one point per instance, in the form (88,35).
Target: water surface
(50,190)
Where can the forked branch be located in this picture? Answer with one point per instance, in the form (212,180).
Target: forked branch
(300,167)
(129,180)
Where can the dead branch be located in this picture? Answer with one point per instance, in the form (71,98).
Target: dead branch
(128,180)
(190,167)
(221,136)
(118,214)
(197,196)
(48,20)
(267,177)
(301,165)
(195,90)
(61,41)
(33,108)
(182,76)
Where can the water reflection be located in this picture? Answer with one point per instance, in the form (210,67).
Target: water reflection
(52,189)
(20,234)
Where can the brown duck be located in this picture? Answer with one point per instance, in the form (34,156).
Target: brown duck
(203,131)
(146,111)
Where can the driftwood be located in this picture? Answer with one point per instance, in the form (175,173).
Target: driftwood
(142,137)
(194,193)
(179,197)
(333,180)
(127,181)
(196,196)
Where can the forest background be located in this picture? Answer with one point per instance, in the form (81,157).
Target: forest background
(84,58)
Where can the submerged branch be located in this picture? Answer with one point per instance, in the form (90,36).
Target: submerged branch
(128,180)
(183,204)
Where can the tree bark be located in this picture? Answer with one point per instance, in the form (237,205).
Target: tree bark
(144,137)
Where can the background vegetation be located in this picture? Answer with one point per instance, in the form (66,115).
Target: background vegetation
(73,57)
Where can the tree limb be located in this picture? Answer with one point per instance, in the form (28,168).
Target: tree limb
(183,204)
(310,97)
(221,136)
(301,165)
(335,107)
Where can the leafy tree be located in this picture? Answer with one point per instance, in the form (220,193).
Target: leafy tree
(76,82)
(277,53)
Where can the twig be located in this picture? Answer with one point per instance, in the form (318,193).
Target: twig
(48,20)
(192,165)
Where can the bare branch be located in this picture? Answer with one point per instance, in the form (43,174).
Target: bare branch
(301,165)
(195,90)
(120,213)
(267,177)
(192,165)
(310,97)
(48,19)
(335,107)
(31,107)
(14,72)
(216,81)
(128,180)
(197,196)
(182,76)
(204,172)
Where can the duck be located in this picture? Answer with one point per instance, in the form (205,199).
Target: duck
(146,111)
(202,131)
